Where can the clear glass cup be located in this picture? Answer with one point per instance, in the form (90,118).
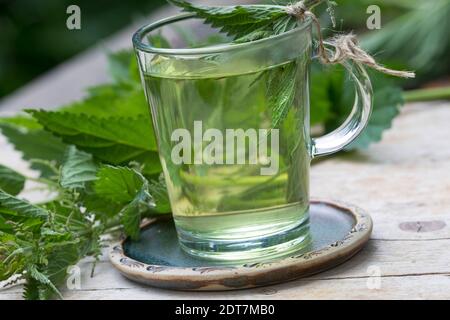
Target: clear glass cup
(232,126)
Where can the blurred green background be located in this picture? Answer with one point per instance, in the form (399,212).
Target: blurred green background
(34,36)
(414,34)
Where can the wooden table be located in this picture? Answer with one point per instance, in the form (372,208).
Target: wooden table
(403,182)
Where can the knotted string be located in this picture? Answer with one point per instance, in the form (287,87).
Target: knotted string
(346,46)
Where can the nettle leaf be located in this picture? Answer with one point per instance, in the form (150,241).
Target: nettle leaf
(114,140)
(77,169)
(150,163)
(244,22)
(35,144)
(11,181)
(132,213)
(131,191)
(250,22)
(118,184)
(118,99)
(158,191)
(23,121)
(31,289)
(21,207)
(103,208)
(59,259)
(123,155)
(387,103)
(281,91)
(44,288)
(134,132)
(116,187)
(128,188)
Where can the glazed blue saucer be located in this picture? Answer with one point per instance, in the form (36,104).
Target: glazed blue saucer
(338,231)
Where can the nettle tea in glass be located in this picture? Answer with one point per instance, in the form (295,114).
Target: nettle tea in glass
(232,125)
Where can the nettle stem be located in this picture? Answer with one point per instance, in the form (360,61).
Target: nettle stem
(429,94)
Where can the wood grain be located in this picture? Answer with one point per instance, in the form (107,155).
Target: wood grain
(397,287)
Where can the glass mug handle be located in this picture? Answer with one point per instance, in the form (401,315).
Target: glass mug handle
(356,121)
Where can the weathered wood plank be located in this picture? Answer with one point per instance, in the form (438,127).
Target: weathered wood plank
(404,178)
(386,258)
(397,287)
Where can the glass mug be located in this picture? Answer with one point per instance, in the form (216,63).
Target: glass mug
(232,126)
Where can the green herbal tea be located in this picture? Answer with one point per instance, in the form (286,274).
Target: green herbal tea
(226,189)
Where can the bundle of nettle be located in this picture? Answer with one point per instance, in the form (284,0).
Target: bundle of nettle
(97,158)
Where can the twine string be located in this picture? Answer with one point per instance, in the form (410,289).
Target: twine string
(346,45)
